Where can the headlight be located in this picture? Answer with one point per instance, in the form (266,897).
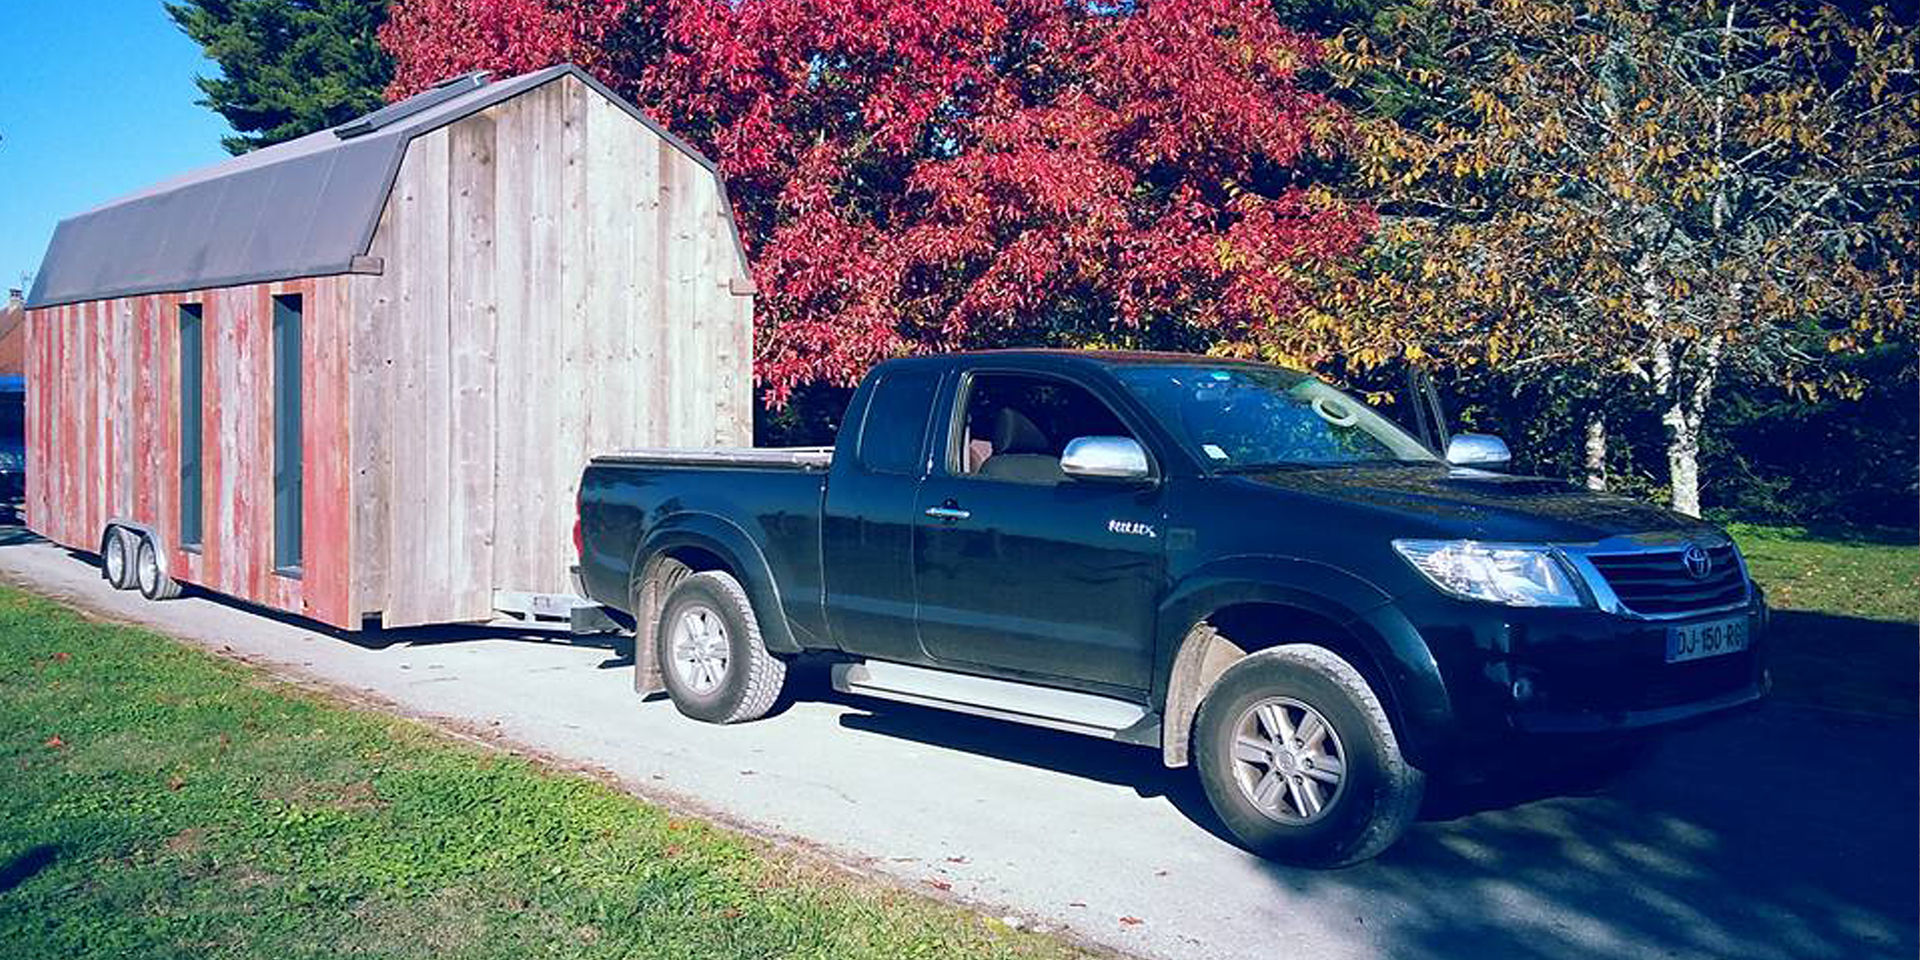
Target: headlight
(1518,576)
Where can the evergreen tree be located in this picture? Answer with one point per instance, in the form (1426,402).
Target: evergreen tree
(288,67)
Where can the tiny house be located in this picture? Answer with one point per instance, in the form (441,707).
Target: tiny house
(355,376)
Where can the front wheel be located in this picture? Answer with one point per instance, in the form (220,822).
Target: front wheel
(1298,758)
(712,660)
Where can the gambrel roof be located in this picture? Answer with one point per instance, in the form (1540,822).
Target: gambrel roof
(303,208)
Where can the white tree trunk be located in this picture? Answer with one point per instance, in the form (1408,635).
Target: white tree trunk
(1687,398)
(1596,452)
(1683,458)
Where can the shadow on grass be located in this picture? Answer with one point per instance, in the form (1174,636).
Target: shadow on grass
(1845,663)
(22,868)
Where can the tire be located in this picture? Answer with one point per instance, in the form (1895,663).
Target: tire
(153,581)
(723,673)
(1366,792)
(117,549)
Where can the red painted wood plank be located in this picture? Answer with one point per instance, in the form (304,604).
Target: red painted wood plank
(324,437)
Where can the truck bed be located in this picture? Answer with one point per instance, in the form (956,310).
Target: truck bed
(791,458)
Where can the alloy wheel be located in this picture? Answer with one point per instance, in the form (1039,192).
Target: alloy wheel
(1288,760)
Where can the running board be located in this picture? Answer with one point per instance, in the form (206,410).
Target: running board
(1056,709)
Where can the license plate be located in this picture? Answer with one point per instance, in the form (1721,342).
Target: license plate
(1713,638)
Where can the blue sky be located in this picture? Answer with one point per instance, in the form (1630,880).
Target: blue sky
(96,100)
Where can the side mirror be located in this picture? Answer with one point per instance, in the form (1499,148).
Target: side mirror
(1104,458)
(1477,450)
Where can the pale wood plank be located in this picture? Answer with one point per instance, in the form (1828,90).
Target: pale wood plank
(517,136)
(470,500)
(372,375)
(420,545)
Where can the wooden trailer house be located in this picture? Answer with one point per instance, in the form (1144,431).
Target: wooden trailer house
(356,376)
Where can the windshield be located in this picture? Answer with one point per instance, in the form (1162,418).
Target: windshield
(1239,417)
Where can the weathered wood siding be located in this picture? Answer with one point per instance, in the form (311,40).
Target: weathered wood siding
(558,282)
(103,435)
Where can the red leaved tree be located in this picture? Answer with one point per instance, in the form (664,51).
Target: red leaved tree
(914,176)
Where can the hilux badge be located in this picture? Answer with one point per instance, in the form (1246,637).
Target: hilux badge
(1699,562)
(1132,528)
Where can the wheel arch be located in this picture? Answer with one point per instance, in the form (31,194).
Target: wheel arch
(698,542)
(1248,604)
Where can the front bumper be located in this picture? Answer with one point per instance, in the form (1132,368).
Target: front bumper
(1536,679)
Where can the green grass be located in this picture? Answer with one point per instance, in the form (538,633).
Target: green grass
(1846,622)
(1856,573)
(156,801)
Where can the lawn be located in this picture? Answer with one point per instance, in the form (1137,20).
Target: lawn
(1858,573)
(1846,615)
(159,802)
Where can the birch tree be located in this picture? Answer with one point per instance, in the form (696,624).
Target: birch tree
(1639,196)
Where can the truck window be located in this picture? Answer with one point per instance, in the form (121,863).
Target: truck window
(1017,425)
(893,436)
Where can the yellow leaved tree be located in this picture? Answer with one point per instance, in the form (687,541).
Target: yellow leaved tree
(1637,197)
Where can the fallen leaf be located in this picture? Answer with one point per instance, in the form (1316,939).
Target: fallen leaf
(175,783)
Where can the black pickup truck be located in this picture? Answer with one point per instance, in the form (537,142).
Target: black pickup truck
(1233,563)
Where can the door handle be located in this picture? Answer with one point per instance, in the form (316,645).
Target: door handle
(948,513)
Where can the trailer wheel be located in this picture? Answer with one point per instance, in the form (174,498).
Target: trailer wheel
(117,557)
(708,643)
(154,582)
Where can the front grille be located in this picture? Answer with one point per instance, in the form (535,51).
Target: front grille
(1656,582)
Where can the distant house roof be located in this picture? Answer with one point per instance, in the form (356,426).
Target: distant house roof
(302,208)
(13,340)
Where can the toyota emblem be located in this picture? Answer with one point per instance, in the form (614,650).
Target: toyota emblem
(1699,562)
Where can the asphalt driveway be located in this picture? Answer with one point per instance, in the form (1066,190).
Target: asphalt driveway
(1786,833)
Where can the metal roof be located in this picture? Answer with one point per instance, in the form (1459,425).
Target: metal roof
(302,208)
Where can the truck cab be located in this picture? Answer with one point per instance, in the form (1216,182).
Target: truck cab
(1233,563)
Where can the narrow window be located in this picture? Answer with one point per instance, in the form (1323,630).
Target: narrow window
(287,455)
(190,436)
(893,438)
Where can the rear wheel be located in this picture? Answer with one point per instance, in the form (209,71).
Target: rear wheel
(117,558)
(154,582)
(1300,762)
(712,660)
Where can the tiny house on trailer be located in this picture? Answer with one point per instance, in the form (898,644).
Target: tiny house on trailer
(356,376)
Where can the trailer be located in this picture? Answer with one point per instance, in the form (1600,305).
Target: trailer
(356,376)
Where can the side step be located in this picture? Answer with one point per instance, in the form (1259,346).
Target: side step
(1067,710)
